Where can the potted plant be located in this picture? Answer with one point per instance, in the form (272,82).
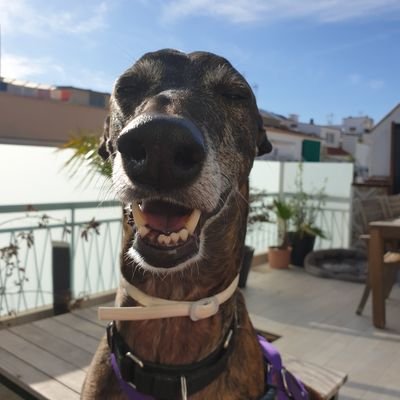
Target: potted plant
(258,214)
(304,229)
(279,256)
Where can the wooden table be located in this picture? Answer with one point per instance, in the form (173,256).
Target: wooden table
(380,232)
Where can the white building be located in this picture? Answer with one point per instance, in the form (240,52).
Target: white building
(330,135)
(381,142)
(357,125)
(292,146)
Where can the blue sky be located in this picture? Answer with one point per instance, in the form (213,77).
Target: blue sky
(324,59)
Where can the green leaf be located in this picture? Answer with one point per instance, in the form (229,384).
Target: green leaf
(84,146)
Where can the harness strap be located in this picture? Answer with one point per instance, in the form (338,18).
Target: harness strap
(126,387)
(145,381)
(287,385)
(162,381)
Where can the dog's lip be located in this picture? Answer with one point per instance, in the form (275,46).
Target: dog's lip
(154,239)
(166,232)
(166,257)
(164,217)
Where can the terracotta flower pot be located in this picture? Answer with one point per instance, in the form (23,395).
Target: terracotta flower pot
(279,258)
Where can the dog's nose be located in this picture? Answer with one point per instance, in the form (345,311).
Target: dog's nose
(162,151)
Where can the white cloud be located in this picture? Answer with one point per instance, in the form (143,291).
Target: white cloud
(46,70)
(355,79)
(358,80)
(88,79)
(28,68)
(376,84)
(20,16)
(243,11)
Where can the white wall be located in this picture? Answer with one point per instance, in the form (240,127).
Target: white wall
(349,143)
(285,147)
(357,125)
(36,174)
(330,136)
(362,154)
(380,147)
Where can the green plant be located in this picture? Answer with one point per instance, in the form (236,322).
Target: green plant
(84,145)
(306,207)
(284,213)
(258,208)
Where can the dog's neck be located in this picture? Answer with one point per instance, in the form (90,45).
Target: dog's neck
(181,340)
(176,340)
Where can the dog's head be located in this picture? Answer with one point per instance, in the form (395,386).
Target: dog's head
(182,135)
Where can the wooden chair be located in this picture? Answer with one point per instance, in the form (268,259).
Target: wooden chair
(376,209)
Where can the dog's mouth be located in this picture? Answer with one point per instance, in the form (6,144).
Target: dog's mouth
(167,234)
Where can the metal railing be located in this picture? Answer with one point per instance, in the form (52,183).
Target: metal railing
(333,219)
(93,232)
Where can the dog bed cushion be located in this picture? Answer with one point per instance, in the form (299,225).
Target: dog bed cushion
(343,264)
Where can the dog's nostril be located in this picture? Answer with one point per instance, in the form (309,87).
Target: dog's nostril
(132,149)
(138,153)
(186,158)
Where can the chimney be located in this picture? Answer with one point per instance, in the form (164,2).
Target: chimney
(311,121)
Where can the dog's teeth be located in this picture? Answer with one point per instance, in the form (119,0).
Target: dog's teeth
(174,237)
(193,221)
(138,215)
(164,239)
(184,234)
(161,239)
(143,231)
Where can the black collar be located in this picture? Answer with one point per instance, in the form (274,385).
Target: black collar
(164,381)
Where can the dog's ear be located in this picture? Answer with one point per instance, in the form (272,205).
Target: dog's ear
(264,146)
(104,149)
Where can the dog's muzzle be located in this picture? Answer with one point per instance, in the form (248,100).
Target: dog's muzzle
(162,152)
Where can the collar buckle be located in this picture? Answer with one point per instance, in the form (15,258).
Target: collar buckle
(109,330)
(135,359)
(203,308)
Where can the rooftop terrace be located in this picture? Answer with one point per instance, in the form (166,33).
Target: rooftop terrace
(313,317)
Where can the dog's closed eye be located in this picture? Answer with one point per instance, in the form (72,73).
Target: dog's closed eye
(130,86)
(234,93)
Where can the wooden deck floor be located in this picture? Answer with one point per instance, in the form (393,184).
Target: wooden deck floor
(314,317)
(317,321)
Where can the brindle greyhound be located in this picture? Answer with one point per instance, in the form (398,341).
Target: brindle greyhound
(182,135)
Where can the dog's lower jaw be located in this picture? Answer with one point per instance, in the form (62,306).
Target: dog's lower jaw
(139,264)
(197,244)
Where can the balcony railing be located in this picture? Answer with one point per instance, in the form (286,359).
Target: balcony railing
(333,219)
(93,232)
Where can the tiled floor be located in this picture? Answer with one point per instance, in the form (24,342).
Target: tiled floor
(317,321)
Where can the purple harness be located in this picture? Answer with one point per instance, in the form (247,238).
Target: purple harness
(287,385)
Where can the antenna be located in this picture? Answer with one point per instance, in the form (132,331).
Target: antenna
(255,88)
(329,118)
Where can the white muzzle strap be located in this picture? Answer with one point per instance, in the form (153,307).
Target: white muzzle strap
(157,308)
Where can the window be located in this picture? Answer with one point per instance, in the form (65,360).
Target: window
(330,137)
